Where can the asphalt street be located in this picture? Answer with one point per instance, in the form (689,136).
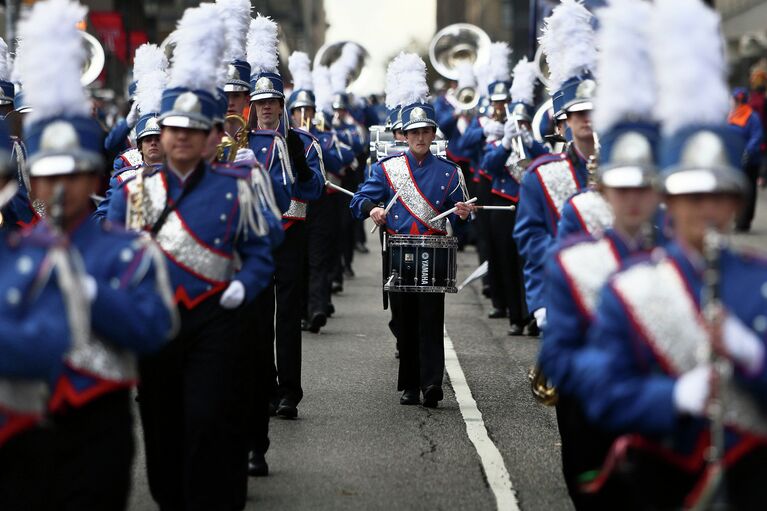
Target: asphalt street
(354,446)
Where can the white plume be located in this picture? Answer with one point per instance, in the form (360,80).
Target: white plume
(343,67)
(465,75)
(523,85)
(199,49)
(262,45)
(301,70)
(688,54)
(499,62)
(236,17)
(482,72)
(53,59)
(323,94)
(568,42)
(149,71)
(627,86)
(406,80)
(5,62)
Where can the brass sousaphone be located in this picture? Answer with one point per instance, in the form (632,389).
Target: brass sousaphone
(454,45)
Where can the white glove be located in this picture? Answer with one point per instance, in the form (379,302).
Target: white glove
(132,117)
(691,390)
(244,154)
(540,317)
(493,128)
(89,287)
(510,131)
(742,345)
(233,296)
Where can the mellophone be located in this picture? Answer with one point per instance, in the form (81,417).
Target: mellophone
(420,264)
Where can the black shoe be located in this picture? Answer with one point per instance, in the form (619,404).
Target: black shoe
(330,310)
(432,395)
(496,314)
(515,329)
(273,408)
(396,354)
(348,272)
(305,325)
(361,248)
(318,321)
(257,465)
(287,409)
(336,287)
(531,329)
(486,292)
(410,397)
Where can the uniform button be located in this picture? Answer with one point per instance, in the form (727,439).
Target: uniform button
(126,255)
(396,217)
(263,149)
(447,174)
(760,324)
(229,195)
(222,217)
(24,265)
(114,283)
(217,241)
(441,187)
(13,296)
(436,202)
(503,190)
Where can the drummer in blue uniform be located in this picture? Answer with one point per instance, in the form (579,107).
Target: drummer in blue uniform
(677,349)
(90,404)
(552,179)
(193,396)
(578,269)
(428,185)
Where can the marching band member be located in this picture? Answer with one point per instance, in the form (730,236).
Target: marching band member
(550,180)
(577,271)
(92,452)
(33,342)
(506,166)
(677,362)
(193,396)
(150,66)
(428,185)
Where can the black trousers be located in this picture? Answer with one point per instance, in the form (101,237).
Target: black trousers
(258,335)
(193,400)
(505,264)
(745,217)
(285,329)
(420,319)
(322,234)
(26,470)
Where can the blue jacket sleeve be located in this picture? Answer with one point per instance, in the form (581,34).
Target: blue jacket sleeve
(565,329)
(472,139)
(101,210)
(375,190)
(117,139)
(33,346)
(118,206)
(617,388)
(533,239)
(494,160)
(144,285)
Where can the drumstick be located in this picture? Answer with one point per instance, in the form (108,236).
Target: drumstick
(510,207)
(339,188)
(451,210)
(386,210)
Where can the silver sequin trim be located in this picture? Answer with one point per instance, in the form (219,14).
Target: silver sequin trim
(27,397)
(297,210)
(132,157)
(399,176)
(558,182)
(588,265)
(657,298)
(127,174)
(594,210)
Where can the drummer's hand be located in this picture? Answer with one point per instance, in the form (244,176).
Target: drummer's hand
(378,215)
(463,210)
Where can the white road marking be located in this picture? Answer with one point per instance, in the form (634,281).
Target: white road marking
(492,462)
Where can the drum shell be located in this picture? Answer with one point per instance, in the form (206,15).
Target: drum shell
(421,264)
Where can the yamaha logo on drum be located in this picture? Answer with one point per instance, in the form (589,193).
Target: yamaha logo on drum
(424,268)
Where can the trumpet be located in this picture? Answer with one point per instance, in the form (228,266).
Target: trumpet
(543,391)
(519,156)
(233,143)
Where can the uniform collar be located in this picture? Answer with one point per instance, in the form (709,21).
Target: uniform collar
(414,162)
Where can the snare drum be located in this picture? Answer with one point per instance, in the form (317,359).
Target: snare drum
(421,264)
